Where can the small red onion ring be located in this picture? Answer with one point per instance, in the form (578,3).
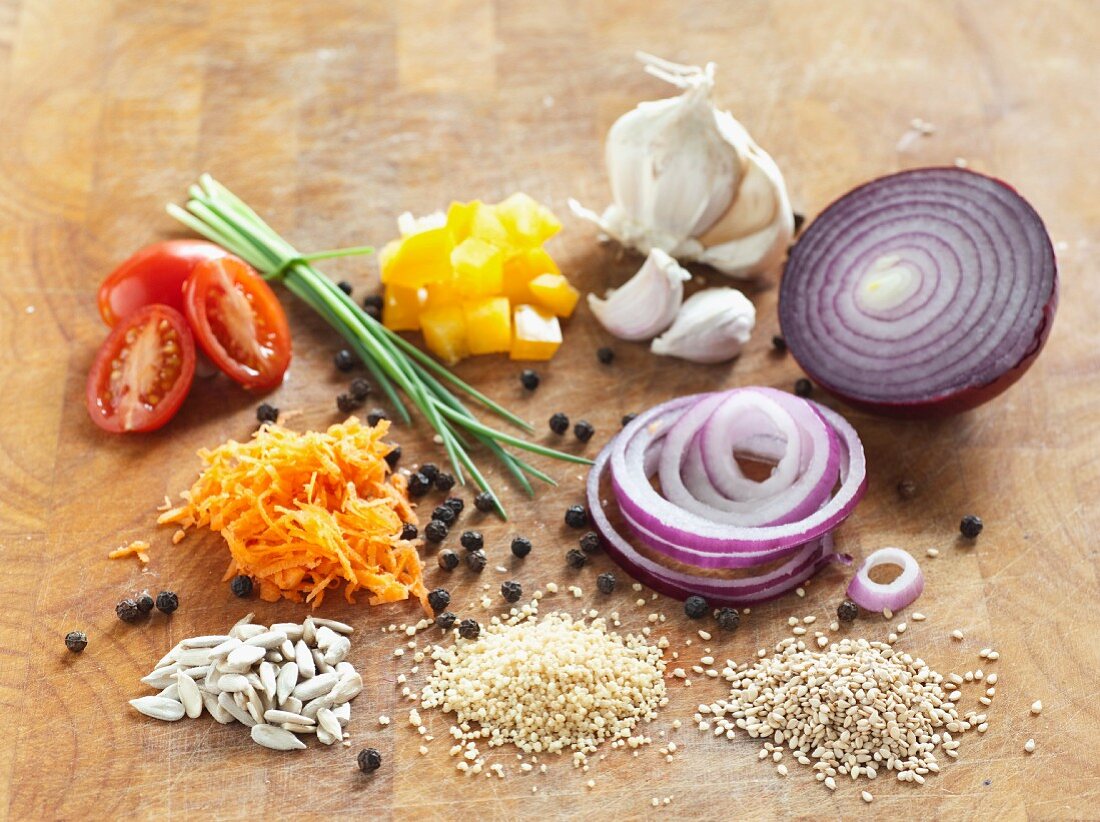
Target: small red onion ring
(895,595)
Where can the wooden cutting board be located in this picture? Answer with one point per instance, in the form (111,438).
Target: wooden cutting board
(332,118)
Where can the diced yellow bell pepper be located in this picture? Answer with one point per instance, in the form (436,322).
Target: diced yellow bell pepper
(478,267)
(401,308)
(442,293)
(444,329)
(488,325)
(418,259)
(460,216)
(554,292)
(521,269)
(530,223)
(537,334)
(486,225)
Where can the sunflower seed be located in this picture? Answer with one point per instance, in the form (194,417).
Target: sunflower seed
(211,641)
(245,620)
(158,707)
(287,679)
(222,651)
(244,632)
(210,683)
(279,717)
(339,627)
(309,632)
(269,640)
(278,739)
(338,650)
(168,658)
(306,668)
(293,705)
(344,669)
(274,657)
(292,630)
(312,688)
(190,657)
(324,737)
(297,728)
(328,722)
(347,689)
(342,713)
(232,683)
(257,716)
(243,658)
(267,678)
(287,649)
(171,692)
(215,709)
(325,637)
(189,695)
(311,708)
(198,672)
(161,677)
(319,661)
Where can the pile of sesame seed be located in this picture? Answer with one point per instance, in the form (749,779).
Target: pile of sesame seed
(855,708)
(547,685)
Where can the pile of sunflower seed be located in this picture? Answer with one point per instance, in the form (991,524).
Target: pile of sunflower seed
(282,681)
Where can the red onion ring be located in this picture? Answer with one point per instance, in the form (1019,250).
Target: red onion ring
(895,595)
(922,293)
(734,523)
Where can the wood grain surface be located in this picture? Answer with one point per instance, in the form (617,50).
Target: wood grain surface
(333,117)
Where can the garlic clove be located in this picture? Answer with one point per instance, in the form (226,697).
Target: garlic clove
(711,327)
(408,224)
(646,304)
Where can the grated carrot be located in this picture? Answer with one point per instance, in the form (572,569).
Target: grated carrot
(304,514)
(137,548)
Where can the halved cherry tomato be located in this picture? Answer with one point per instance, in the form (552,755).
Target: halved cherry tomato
(142,371)
(154,275)
(238,321)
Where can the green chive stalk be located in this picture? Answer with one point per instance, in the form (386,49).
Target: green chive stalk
(395,364)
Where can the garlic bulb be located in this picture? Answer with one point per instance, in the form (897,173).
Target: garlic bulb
(711,327)
(646,304)
(688,179)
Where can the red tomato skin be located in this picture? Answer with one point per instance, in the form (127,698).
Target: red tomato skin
(264,302)
(153,275)
(109,349)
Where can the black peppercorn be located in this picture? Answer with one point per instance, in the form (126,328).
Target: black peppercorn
(727,618)
(394,456)
(435,531)
(267,413)
(429,470)
(448,560)
(455,504)
(241,586)
(476,561)
(345,403)
(369,760)
(907,489)
(529,379)
(344,286)
(472,540)
(444,482)
(803,387)
(521,547)
(484,502)
(627,419)
(167,601)
(469,629)
(799,219)
(847,611)
(144,602)
(605,582)
(779,344)
(343,360)
(439,599)
(76,641)
(583,430)
(376,415)
(590,542)
(444,513)
(511,591)
(127,610)
(575,558)
(373,301)
(605,355)
(559,423)
(418,485)
(359,389)
(408,531)
(576,516)
(695,607)
(446,620)
(971,526)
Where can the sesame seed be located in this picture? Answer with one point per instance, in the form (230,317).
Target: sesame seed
(957,634)
(932,552)
(901,627)
(1029,746)
(704,635)
(1036,707)
(918,617)
(781,769)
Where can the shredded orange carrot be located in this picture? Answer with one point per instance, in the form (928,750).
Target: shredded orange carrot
(137,548)
(303,514)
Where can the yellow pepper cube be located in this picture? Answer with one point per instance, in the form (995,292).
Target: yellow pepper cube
(401,308)
(486,225)
(488,325)
(444,329)
(554,292)
(530,223)
(520,269)
(460,216)
(418,259)
(478,267)
(537,334)
(442,293)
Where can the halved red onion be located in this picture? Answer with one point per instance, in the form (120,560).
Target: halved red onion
(707,519)
(922,293)
(895,595)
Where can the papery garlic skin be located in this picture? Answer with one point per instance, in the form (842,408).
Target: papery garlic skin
(711,327)
(688,179)
(647,303)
